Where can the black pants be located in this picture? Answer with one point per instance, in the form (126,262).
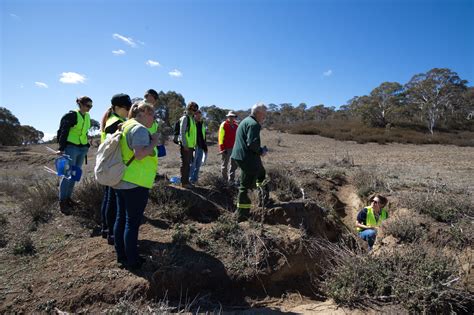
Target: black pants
(186,159)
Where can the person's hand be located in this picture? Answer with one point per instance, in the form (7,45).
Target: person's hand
(155,139)
(223,152)
(60,152)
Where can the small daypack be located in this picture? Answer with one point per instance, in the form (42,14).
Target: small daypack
(109,167)
(177,128)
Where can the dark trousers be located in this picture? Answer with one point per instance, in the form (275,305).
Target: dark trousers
(131,204)
(108,210)
(250,177)
(186,159)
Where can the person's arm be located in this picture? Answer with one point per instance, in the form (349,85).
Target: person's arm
(182,131)
(362,219)
(113,127)
(67,121)
(142,143)
(253,139)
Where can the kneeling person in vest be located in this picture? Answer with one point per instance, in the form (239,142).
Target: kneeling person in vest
(138,145)
(73,141)
(370,218)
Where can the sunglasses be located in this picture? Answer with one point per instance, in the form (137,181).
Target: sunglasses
(88,105)
(375,201)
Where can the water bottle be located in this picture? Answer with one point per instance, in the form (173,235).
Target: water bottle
(175,180)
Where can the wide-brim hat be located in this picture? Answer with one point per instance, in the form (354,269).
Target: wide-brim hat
(231,114)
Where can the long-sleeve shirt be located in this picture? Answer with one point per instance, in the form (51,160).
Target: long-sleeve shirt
(247,142)
(68,121)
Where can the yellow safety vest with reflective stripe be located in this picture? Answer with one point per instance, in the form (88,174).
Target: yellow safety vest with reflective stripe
(110,121)
(78,133)
(139,172)
(191,133)
(371,221)
(220,137)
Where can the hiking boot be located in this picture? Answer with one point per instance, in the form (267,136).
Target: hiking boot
(71,202)
(110,240)
(64,207)
(104,233)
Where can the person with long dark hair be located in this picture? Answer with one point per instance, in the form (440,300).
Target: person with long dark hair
(115,115)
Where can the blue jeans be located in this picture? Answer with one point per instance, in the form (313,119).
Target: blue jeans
(196,165)
(130,206)
(108,210)
(369,235)
(77,155)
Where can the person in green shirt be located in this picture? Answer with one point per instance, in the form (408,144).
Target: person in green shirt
(247,153)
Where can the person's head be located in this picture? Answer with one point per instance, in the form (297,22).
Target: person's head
(378,202)
(121,104)
(198,115)
(84,103)
(151,97)
(231,116)
(143,112)
(192,108)
(259,111)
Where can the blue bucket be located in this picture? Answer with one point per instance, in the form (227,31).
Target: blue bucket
(175,180)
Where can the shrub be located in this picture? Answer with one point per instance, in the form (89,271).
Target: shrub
(419,278)
(404,228)
(368,182)
(89,193)
(181,235)
(24,246)
(12,187)
(38,200)
(171,205)
(284,187)
(443,207)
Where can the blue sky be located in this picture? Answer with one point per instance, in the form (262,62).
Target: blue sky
(227,53)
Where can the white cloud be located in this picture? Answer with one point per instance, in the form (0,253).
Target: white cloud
(13,15)
(175,73)
(127,40)
(153,63)
(72,78)
(41,85)
(327,73)
(118,52)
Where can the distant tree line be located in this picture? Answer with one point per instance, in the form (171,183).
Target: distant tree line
(13,133)
(438,99)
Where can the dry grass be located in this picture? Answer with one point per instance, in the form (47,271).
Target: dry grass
(368,182)
(38,200)
(354,130)
(423,280)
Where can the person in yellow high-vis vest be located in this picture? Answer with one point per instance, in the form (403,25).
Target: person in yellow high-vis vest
(73,141)
(115,115)
(369,219)
(138,148)
(187,141)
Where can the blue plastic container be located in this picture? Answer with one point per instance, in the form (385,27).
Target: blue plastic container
(175,180)
(63,166)
(161,150)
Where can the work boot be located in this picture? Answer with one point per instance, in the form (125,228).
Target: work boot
(71,202)
(64,207)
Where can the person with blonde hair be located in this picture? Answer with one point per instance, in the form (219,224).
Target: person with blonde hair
(370,217)
(138,148)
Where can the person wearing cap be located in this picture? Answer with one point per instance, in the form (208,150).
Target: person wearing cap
(369,218)
(187,140)
(247,153)
(226,139)
(73,142)
(200,149)
(115,115)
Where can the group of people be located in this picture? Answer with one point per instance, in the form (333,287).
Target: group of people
(123,205)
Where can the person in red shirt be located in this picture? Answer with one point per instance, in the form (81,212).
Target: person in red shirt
(226,139)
